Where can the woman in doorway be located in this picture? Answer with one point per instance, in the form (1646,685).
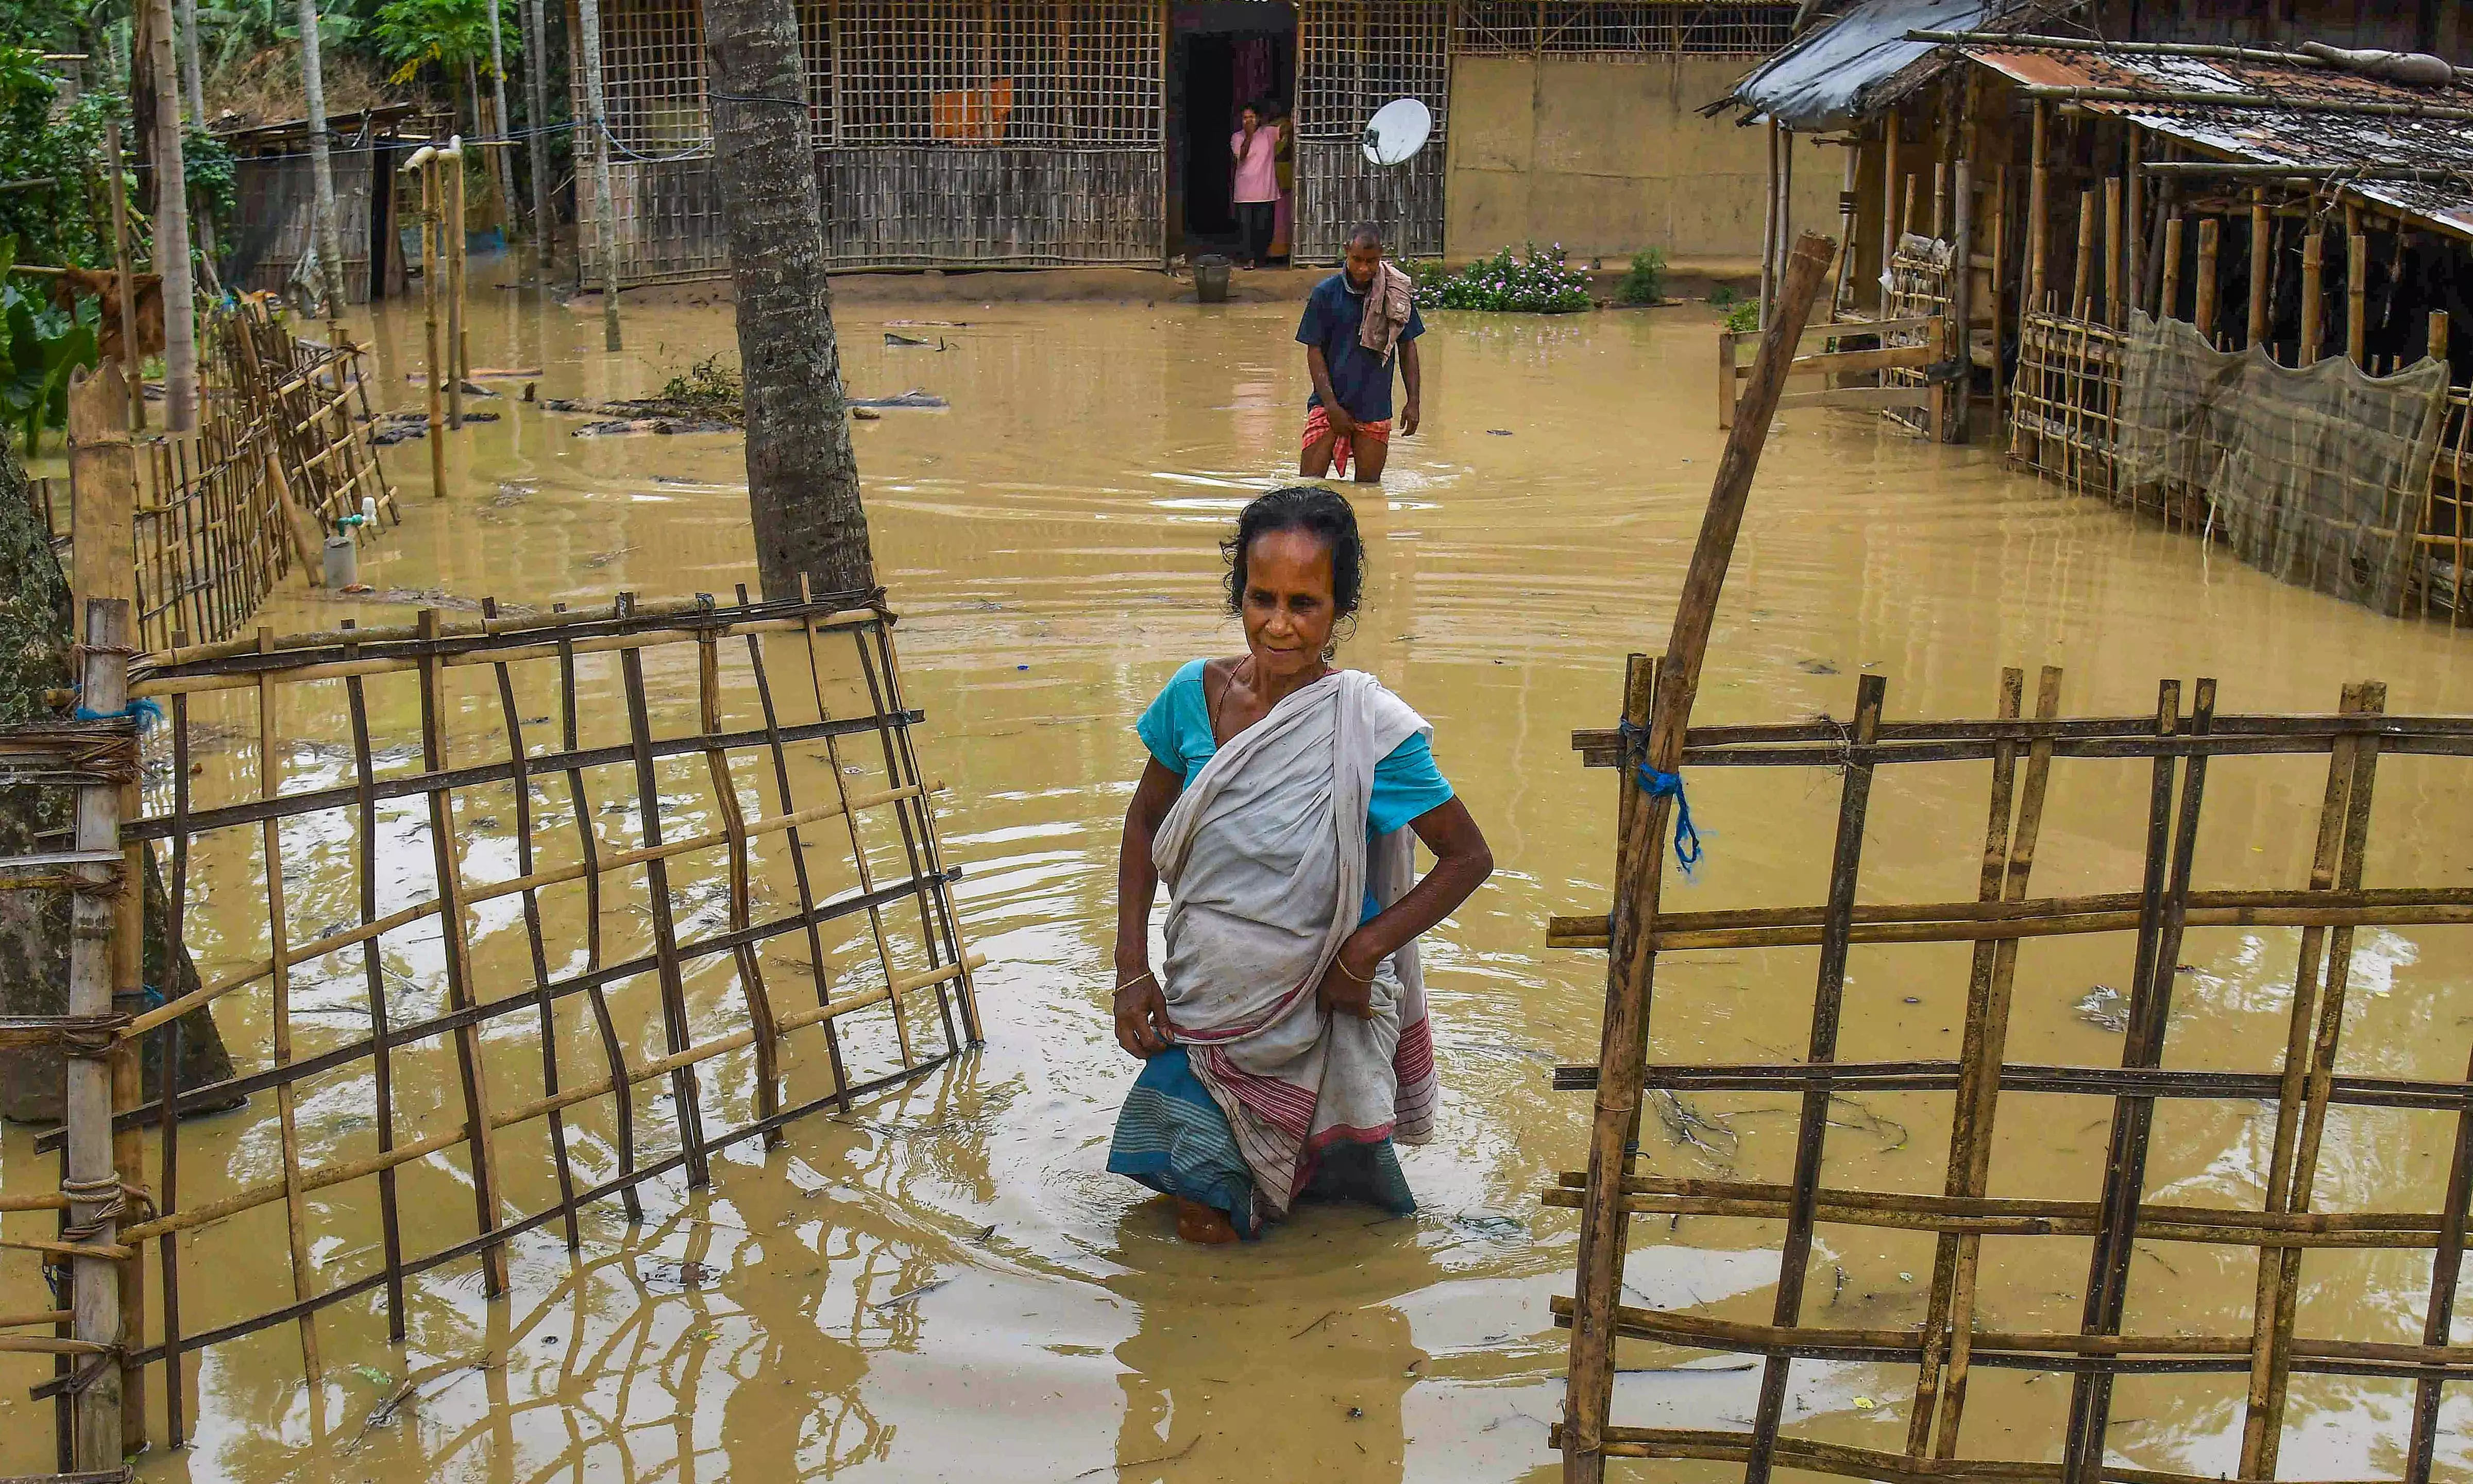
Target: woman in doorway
(1283,1038)
(1255,189)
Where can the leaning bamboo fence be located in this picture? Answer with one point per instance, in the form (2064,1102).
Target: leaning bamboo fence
(2175,760)
(595,896)
(315,399)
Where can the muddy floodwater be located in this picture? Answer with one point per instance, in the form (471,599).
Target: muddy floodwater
(948,1285)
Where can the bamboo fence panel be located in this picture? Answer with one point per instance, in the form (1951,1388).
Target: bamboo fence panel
(1354,57)
(1920,276)
(211,529)
(561,831)
(317,399)
(2063,404)
(2295,1217)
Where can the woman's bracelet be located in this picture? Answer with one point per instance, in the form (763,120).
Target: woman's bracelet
(1353,974)
(1135,980)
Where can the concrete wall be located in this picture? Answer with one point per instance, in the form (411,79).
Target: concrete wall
(1610,156)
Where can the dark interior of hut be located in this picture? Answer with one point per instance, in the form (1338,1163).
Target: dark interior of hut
(1221,57)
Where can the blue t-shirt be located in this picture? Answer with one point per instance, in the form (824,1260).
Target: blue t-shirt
(1176,728)
(1360,378)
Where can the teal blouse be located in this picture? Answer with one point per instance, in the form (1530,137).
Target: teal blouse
(1176,728)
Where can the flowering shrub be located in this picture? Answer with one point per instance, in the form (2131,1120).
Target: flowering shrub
(1529,282)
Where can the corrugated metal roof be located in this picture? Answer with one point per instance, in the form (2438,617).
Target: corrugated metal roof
(2275,135)
(1859,62)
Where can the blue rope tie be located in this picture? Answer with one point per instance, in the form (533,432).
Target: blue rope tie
(1664,785)
(147,711)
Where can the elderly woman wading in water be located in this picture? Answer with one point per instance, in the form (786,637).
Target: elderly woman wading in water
(1283,1038)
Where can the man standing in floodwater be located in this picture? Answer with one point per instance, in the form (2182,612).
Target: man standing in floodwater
(1357,324)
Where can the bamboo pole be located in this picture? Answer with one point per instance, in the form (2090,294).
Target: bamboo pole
(2262,266)
(1624,1044)
(2133,219)
(1890,131)
(2210,233)
(1940,201)
(451,164)
(501,164)
(1907,208)
(2356,299)
(135,364)
(2169,306)
(2039,226)
(1769,229)
(92,1177)
(1961,295)
(2314,260)
(2080,276)
(172,230)
(2438,351)
(2115,304)
(423,161)
(296,1210)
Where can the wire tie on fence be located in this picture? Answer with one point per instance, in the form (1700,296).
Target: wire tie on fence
(1663,785)
(97,1366)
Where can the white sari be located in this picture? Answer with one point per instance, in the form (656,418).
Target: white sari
(1266,860)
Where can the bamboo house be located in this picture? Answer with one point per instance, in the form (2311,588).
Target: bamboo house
(2244,233)
(987,133)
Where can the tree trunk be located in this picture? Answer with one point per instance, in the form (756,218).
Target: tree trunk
(192,73)
(802,478)
(322,168)
(501,165)
(34,925)
(536,120)
(172,229)
(596,147)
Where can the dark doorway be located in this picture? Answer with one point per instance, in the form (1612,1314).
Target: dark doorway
(1223,54)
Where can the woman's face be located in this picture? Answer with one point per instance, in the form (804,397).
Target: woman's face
(1253,120)
(1289,610)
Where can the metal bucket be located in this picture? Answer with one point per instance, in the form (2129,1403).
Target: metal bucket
(1211,279)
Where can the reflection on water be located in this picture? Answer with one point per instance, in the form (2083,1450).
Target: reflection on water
(948,1285)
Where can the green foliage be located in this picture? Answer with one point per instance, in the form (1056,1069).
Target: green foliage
(1529,282)
(1721,295)
(448,34)
(66,221)
(707,386)
(213,176)
(39,345)
(1744,318)
(1645,283)
(246,27)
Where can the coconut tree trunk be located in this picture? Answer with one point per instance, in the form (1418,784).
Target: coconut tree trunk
(172,229)
(192,72)
(802,478)
(322,168)
(596,147)
(35,925)
(537,120)
(501,164)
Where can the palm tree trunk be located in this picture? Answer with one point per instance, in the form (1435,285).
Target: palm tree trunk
(192,72)
(172,229)
(537,120)
(802,477)
(322,170)
(596,145)
(501,164)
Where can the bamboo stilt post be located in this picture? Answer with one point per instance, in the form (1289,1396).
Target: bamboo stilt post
(1962,297)
(422,161)
(1786,197)
(2134,219)
(2210,231)
(2116,304)
(296,1210)
(2356,299)
(92,1179)
(1996,282)
(2262,265)
(1888,203)
(1906,207)
(2040,224)
(1624,1049)
(596,144)
(2079,275)
(2169,306)
(2314,262)
(120,265)
(2439,335)
(450,163)
(1770,230)
(1940,201)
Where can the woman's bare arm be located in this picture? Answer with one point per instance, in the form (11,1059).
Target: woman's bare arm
(1141,1005)
(1462,861)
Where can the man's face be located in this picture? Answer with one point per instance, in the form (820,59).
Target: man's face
(1362,259)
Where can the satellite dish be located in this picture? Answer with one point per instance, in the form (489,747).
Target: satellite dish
(1397,131)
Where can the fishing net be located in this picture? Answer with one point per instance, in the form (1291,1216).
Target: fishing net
(2314,474)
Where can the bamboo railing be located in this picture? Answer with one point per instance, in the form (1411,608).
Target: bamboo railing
(544,831)
(2175,748)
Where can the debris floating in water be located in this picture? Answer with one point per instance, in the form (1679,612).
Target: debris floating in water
(2104,1007)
